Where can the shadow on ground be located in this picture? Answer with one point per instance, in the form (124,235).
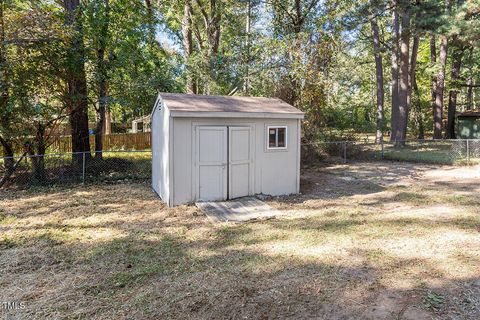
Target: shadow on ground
(116,251)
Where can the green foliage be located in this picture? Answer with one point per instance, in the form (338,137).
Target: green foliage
(136,68)
(39,60)
(316,55)
(433,300)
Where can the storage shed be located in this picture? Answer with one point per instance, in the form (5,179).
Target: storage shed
(468,124)
(207,148)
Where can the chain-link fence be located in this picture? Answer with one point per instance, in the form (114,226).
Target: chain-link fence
(339,151)
(455,152)
(53,169)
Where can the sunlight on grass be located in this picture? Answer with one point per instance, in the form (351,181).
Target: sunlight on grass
(341,242)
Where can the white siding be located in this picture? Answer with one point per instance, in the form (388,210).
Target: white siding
(161,152)
(182,162)
(278,168)
(276,172)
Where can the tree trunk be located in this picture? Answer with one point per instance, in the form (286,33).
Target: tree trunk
(102,76)
(211,22)
(470,101)
(452,95)
(413,91)
(40,174)
(3,64)
(439,90)
(246,81)
(403,88)
(191,83)
(433,62)
(395,37)
(151,23)
(4,95)
(76,98)
(418,110)
(108,122)
(470,82)
(413,69)
(7,153)
(100,126)
(36,151)
(379,78)
(213,28)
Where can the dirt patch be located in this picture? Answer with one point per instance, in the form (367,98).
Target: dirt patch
(365,241)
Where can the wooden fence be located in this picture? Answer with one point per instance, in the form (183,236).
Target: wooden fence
(116,141)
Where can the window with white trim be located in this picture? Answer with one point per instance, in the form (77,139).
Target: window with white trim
(277,137)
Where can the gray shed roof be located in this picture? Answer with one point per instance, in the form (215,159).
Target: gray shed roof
(205,105)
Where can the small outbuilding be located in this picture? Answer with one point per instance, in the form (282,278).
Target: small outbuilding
(207,148)
(468,124)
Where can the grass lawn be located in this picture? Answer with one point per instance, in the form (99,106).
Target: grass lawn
(448,152)
(365,240)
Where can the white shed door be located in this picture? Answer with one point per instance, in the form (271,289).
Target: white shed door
(212,163)
(240,162)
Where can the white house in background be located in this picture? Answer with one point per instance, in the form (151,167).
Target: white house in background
(144,122)
(207,148)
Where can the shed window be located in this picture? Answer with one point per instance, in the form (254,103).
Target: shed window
(277,137)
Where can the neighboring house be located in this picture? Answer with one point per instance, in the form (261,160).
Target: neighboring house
(141,124)
(468,124)
(223,147)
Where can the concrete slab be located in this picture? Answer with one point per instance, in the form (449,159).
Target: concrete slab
(238,210)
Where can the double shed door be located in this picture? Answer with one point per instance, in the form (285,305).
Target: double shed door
(224,162)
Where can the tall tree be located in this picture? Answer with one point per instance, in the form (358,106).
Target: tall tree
(457,54)
(439,89)
(151,22)
(403,76)
(414,93)
(433,80)
(211,15)
(379,79)
(76,96)
(5,113)
(248,25)
(301,83)
(395,71)
(103,10)
(470,81)
(191,83)
(290,19)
